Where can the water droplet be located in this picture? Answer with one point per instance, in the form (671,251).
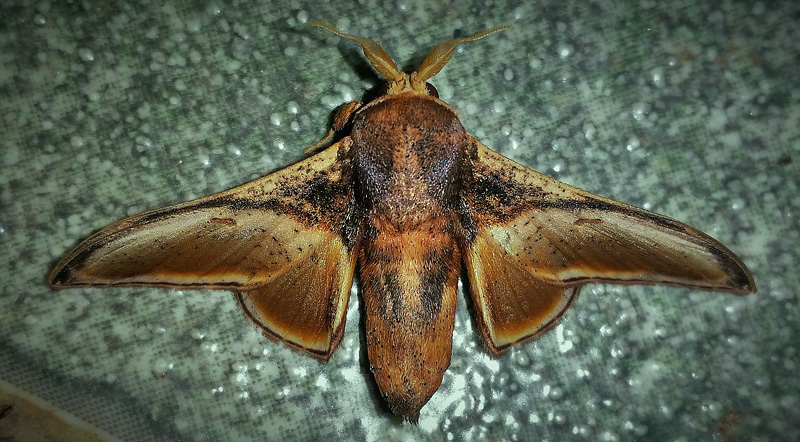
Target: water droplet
(640,110)
(160,366)
(86,54)
(657,76)
(564,50)
(77,141)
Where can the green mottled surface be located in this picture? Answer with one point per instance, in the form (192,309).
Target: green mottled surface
(109,109)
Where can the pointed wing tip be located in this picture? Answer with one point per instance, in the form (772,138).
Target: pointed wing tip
(60,278)
(741,280)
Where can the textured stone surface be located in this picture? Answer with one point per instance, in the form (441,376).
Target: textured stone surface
(689,110)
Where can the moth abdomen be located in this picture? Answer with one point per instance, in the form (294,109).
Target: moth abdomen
(410,279)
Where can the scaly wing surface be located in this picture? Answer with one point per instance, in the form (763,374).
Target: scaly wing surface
(537,240)
(284,242)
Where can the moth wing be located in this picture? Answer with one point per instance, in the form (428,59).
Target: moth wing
(278,240)
(537,240)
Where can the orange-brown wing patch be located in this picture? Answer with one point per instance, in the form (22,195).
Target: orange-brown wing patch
(305,307)
(512,305)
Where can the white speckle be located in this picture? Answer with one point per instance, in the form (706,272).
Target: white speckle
(193,25)
(535,63)
(471,108)
(39,19)
(508,74)
(492,364)
(291,51)
(657,76)
(302,16)
(143,111)
(239,367)
(564,345)
(160,366)
(275,119)
(322,383)
(640,110)
(559,144)
(233,65)
(176,59)
(609,436)
(588,131)
(498,107)
(86,54)
(77,141)
(241,30)
(633,143)
(292,107)
(343,23)
(239,379)
(564,50)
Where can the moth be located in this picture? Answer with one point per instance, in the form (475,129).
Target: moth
(409,198)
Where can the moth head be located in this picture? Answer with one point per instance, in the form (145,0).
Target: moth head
(416,82)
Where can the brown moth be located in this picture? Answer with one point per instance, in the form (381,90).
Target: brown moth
(413,199)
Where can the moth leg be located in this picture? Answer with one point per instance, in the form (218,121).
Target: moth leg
(340,120)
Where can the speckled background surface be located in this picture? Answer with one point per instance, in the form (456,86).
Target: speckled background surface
(109,109)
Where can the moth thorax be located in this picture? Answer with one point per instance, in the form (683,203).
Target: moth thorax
(409,155)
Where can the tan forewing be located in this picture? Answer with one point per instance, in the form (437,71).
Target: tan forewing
(250,238)
(563,237)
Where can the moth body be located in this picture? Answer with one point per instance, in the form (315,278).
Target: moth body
(409,151)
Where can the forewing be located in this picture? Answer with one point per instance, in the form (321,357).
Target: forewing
(255,238)
(556,237)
